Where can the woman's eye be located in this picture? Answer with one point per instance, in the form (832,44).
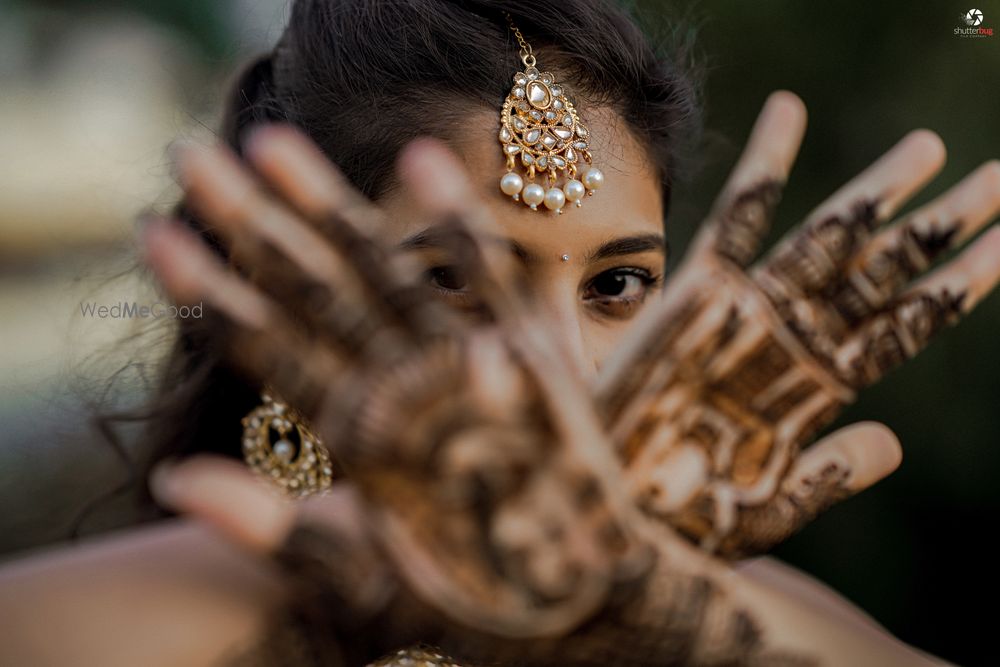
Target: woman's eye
(447,278)
(619,292)
(618,283)
(452,286)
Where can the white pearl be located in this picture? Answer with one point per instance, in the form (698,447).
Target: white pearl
(593,179)
(511,183)
(554,199)
(574,190)
(533,194)
(283,450)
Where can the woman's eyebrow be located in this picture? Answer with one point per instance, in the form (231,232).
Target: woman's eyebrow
(433,237)
(628,245)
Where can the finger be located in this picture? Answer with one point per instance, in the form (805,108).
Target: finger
(866,452)
(322,545)
(300,172)
(312,185)
(834,469)
(742,215)
(248,325)
(811,256)
(290,261)
(912,319)
(906,249)
(181,261)
(228,496)
(247,509)
(222,190)
(440,185)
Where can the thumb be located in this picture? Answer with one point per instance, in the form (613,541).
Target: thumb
(225,494)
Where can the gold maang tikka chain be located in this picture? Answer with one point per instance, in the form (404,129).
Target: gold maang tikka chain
(541,131)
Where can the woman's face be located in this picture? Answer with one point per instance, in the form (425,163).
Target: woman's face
(614,242)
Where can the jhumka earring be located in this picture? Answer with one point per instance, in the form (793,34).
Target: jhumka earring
(541,131)
(279,446)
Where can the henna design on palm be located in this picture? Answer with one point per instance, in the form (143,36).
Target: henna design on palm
(725,382)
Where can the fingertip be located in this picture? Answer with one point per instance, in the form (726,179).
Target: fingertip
(416,155)
(176,256)
(981,262)
(889,445)
(984,262)
(435,175)
(155,239)
(774,141)
(260,135)
(275,143)
(788,104)
(178,152)
(991,171)
(228,496)
(187,157)
(931,145)
(873,451)
(162,485)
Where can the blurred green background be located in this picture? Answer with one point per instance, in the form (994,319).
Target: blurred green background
(92,91)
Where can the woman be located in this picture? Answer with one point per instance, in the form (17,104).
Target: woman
(707,399)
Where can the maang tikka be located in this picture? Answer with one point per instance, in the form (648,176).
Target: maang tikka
(541,132)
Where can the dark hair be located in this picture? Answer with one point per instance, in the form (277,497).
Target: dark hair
(364,77)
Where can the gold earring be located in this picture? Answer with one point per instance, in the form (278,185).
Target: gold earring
(541,130)
(279,446)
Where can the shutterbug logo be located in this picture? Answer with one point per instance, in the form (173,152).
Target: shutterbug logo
(974,19)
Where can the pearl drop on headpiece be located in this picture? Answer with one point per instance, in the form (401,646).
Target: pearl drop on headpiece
(511,184)
(533,195)
(554,200)
(593,179)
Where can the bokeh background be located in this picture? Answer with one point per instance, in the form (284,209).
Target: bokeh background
(93,91)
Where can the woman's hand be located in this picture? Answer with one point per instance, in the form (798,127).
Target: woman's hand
(480,458)
(721,385)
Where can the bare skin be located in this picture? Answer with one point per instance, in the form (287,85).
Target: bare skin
(550,501)
(556,552)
